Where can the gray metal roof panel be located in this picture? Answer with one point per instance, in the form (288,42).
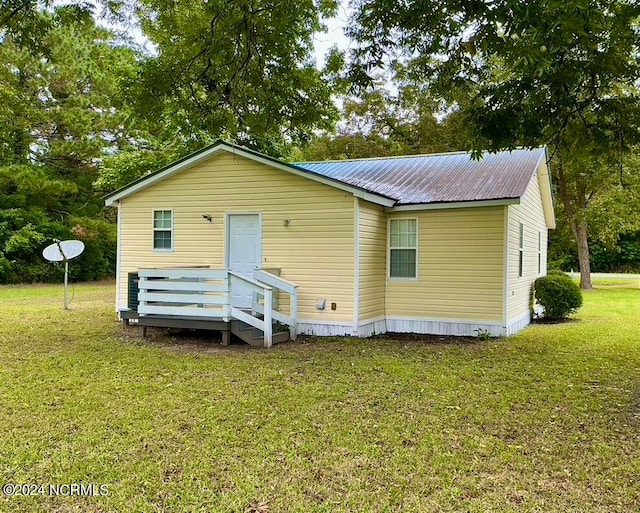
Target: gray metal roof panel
(438,178)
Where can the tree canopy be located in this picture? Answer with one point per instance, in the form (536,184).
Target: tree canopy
(83,111)
(61,112)
(546,72)
(238,70)
(381,123)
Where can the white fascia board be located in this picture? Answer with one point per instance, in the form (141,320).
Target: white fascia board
(455,204)
(546,195)
(373,198)
(143,184)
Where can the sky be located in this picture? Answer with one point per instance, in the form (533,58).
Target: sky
(334,36)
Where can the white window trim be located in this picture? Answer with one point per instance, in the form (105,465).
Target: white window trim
(539,253)
(389,248)
(520,250)
(154,229)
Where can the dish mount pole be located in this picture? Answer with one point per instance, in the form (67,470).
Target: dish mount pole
(63,251)
(66,276)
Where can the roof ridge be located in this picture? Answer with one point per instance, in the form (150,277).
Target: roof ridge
(398,157)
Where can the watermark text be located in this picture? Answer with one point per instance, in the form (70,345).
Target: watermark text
(52,490)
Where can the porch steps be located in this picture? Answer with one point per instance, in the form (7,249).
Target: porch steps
(254,336)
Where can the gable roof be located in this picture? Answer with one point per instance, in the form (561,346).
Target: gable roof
(222,146)
(438,178)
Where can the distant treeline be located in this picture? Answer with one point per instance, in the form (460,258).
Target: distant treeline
(623,257)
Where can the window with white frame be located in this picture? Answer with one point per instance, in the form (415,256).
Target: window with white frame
(403,248)
(521,252)
(539,252)
(163,230)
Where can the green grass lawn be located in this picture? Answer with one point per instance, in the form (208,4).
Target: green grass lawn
(545,421)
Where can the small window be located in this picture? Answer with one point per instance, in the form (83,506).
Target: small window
(521,252)
(403,247)
(539,252)
(163,230)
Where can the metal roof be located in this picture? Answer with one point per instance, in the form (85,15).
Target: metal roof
(438,178)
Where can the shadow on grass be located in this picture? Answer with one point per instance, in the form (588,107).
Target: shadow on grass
(542,320)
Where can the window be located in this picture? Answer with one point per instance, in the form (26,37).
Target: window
(521,252)
(403,247)
(163,230)
(539,252)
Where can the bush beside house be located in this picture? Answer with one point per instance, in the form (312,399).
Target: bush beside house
(559,295)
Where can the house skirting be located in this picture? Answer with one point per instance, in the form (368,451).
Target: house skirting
(324,328)
(371,327)
(454,327)
(426,326)
(516,325)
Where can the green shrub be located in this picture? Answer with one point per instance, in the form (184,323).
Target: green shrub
(559,295)
(556,272)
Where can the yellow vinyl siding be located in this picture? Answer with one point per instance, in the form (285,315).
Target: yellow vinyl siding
(531,214)
(460,267)
(316,250)
(373,260)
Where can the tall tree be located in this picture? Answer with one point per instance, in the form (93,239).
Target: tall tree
(558,72)
(239,70)
(61,112)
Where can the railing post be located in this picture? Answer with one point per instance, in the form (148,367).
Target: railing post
(141,280)
(268,327)
(229,296)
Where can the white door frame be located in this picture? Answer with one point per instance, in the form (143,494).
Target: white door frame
(227,234)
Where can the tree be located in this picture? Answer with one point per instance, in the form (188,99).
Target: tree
(237,70)
(559,73)
(61,112)
(382,123)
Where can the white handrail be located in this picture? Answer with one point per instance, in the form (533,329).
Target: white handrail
(250,283)
(288,287)
(205,292)
(275,281)
(266,324)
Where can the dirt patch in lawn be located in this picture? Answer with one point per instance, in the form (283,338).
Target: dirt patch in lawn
(205,341)
(427,339)
(187,341)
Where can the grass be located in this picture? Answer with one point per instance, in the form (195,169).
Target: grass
(547,420)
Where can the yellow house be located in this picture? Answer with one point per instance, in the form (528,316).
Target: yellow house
(438,244)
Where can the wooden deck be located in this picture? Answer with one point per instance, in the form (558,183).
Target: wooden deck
(201,298)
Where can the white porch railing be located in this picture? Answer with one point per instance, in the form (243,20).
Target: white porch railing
(285,286)
(207,293)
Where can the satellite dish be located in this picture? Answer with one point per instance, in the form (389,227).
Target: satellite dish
(63,251)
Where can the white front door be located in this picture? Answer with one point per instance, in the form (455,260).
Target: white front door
(243,253)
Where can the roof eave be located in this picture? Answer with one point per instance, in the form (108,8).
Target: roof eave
(546,191)
(455,204)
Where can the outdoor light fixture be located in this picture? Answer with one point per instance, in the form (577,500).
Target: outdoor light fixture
(207,217)
(286,222)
